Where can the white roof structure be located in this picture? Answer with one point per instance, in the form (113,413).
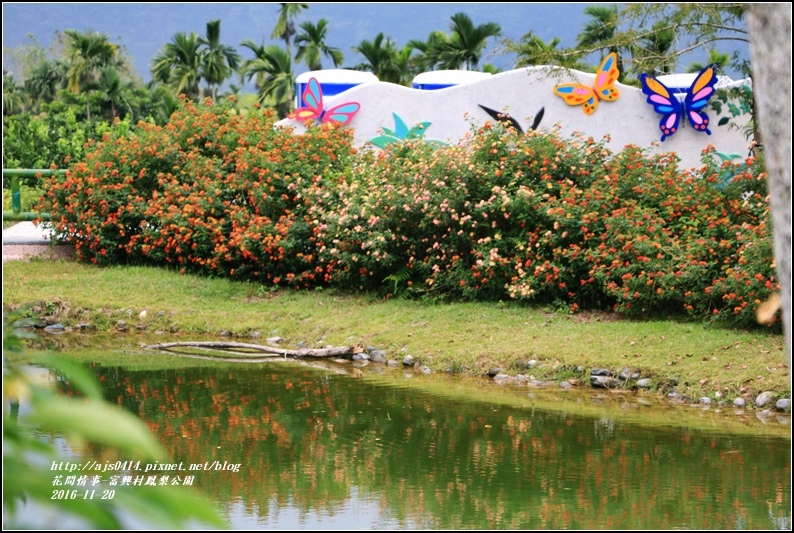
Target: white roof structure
(338,75)
(450,77)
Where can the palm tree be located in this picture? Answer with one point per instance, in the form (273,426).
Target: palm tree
(179,64)
(466,43)
(427,59)
(45,80)
(115,92)
(285,27)
(600,32)
(218,60)
(381,57)
(714,58)
(312,46)
(88,53)
(653,52)
(272,69)
(259,51)
(13,95)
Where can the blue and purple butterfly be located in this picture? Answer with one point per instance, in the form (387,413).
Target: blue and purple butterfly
(696,97)
(313,102)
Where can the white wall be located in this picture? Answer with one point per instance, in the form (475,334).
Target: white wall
(522,93)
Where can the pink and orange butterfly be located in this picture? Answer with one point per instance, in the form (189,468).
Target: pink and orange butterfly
(603,88)
(313,102)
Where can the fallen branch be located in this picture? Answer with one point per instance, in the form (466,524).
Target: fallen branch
(331,366)
(258,349)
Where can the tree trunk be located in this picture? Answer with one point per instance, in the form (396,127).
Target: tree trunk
(770,54)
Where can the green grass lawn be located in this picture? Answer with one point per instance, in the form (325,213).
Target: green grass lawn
(470,338)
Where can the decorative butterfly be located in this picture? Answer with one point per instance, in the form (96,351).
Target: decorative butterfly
(696,97)
(603,88)
(313,100)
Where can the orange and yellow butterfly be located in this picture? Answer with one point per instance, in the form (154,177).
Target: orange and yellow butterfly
(603,88)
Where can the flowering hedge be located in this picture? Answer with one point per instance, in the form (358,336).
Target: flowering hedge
(536,218)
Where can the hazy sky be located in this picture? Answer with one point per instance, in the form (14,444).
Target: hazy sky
(143,28)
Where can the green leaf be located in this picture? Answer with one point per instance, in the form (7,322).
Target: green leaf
(22,481)
(99,422)
(76,373)
(170,506)
(723,121)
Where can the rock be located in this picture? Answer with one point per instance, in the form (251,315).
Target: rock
(121,326)
(85,326)
(601,372)
(604,382)
(54,328)
(783,404)
(274,341)
(565,385)
(764,398)
(424,369)
(377,356)
(705,401)
(224,333)
(142,315)
(520,379)
(494,372)
(392,363)
(739,402)
(580,369)
(257,334)
(718,395)
(644,383)
(361,357)
(532,363)
(408,360)
(627,374)
(501,379)
(301,344)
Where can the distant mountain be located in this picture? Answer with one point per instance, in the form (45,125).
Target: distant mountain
(143,28)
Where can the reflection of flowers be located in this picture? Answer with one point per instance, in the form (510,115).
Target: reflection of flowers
(402,133)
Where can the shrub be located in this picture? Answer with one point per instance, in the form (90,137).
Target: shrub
(534,217)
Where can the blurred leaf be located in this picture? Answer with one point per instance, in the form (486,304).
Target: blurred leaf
(76,373)
(98,422)
(170,506)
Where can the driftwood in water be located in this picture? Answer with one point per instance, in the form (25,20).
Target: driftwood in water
(259,351)
(324,364)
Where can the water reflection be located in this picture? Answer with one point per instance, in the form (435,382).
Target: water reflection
(324,451)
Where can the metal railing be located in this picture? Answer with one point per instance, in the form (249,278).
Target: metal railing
(16,195)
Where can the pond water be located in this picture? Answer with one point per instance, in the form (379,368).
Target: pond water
(324,450)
